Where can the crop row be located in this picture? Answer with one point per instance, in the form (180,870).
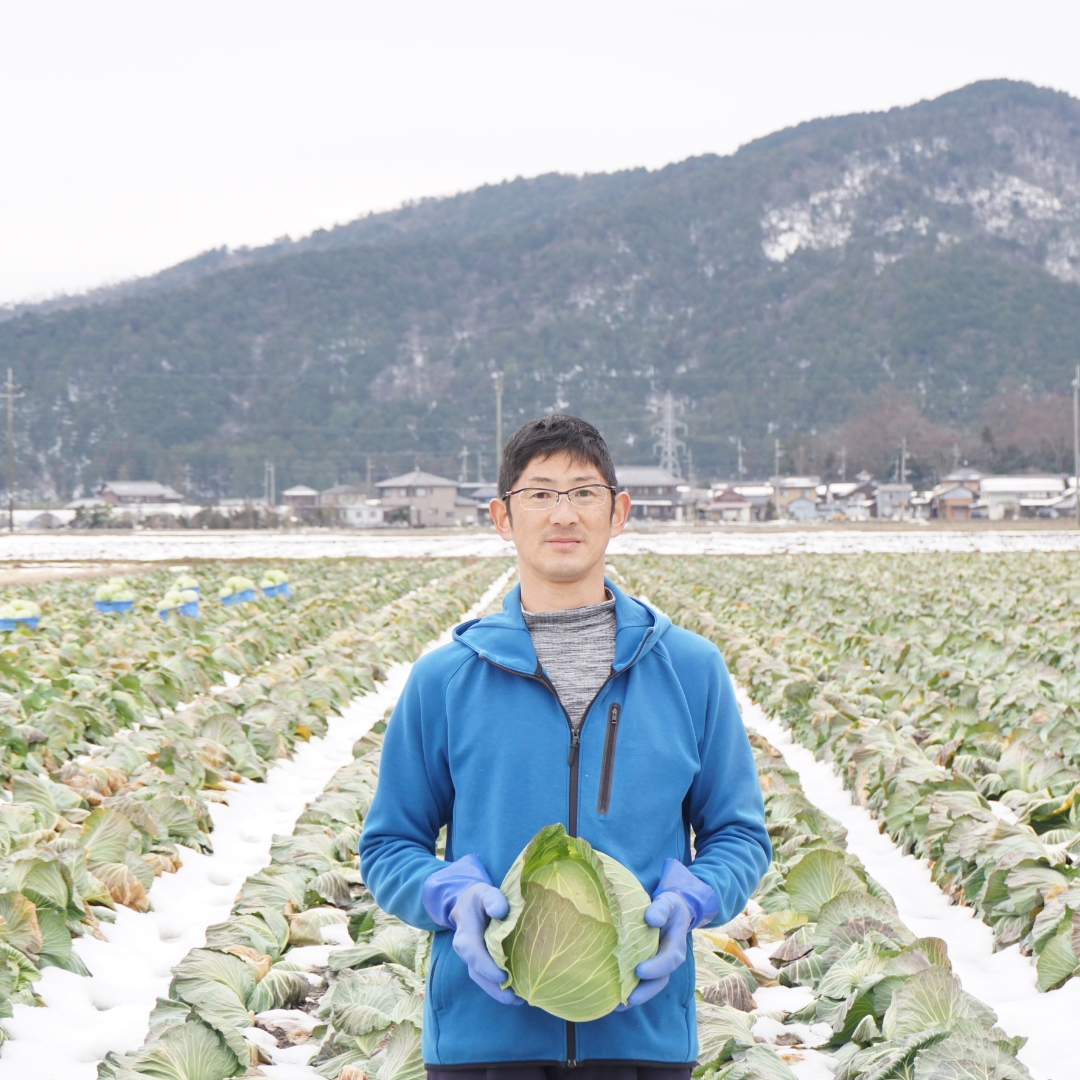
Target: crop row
(79,839)
(308,968)
(944,692)
(82,676)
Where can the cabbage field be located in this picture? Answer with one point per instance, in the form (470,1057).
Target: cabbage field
(942,687)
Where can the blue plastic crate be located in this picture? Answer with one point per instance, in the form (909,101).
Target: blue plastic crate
(278,590)
(245,596)
(30,622)
(190,609)
(113,605)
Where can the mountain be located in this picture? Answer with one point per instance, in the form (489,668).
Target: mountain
(840,286)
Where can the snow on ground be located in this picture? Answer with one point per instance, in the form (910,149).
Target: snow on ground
(766,539)
(86,1017)
(1004,980)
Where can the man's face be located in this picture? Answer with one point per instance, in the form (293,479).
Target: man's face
(566,542)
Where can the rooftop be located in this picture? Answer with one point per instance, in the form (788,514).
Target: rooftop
(417,478)
(1008,485)
(139,489)
(645,476)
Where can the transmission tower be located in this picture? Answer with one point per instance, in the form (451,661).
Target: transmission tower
(668,444)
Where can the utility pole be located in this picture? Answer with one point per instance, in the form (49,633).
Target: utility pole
(1076,438)
(843,464)
(776,470)
(739,448)
(498,377)
(269,485)
(10,394)
(479,467)
(903,461)
(463,475)
(367,482)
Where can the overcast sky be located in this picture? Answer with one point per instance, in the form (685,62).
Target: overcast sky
(135,134)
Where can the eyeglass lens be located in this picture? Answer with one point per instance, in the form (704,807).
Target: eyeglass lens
(545,498)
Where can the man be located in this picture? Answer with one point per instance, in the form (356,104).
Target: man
(574,704)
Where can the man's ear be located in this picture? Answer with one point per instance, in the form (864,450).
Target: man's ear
(621,513)
(500,517)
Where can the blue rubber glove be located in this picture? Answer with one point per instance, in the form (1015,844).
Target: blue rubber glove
(461,897)
(681,903)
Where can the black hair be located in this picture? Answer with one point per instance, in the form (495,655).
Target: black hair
(549,435)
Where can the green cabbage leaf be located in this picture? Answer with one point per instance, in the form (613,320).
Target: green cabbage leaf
(575,930)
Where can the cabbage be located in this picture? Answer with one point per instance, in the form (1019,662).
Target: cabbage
(186,581)
(235,584)
(114,589)
(576,928)
(272,578)
(20,609)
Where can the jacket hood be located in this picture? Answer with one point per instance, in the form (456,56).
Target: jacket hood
(504,639)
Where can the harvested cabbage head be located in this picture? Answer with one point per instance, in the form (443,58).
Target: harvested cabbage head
(576,928)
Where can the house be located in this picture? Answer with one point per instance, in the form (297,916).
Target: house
(343,495)
(421,498)
(655,493)
(480,495)
(969,478)
(136,492)
(1005,497)
(952,501)
(893,501)
(802,509)
(300,497)
(789,488)
(729,505)
(369,514)
(758,496)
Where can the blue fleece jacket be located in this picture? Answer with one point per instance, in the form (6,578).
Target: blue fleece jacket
(480,743)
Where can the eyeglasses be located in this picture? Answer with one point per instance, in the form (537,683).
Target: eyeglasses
(586,497)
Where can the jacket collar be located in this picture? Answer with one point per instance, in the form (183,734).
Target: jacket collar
(504,639)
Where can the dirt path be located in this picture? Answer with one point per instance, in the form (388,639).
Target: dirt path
(35,573)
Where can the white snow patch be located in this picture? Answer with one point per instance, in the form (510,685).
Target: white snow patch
(1005,980)
(786,999)
(87,1017)
(807,1064)
(60,552)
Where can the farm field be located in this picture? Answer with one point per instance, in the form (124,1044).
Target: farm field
(774,538)
(938,681)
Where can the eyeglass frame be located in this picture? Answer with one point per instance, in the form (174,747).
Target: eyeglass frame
(558,495)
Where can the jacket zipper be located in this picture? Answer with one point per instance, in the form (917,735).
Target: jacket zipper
(572,761)
(607,767)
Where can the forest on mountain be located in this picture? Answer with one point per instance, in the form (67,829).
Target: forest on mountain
(842,287)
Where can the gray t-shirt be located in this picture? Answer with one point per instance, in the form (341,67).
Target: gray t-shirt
(576,647)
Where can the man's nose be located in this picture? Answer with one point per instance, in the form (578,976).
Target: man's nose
(564,513)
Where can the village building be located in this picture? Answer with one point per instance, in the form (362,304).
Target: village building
(421,498)
(790,488)
(1008,497)
(729,505)
(759,496)
(136,492)
(893,501)
(656,494)
(300,497)
(952,502)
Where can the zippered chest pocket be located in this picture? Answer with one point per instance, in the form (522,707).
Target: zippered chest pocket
(607,764)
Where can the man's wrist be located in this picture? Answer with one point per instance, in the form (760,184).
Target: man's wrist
(700,899)
(442,888)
